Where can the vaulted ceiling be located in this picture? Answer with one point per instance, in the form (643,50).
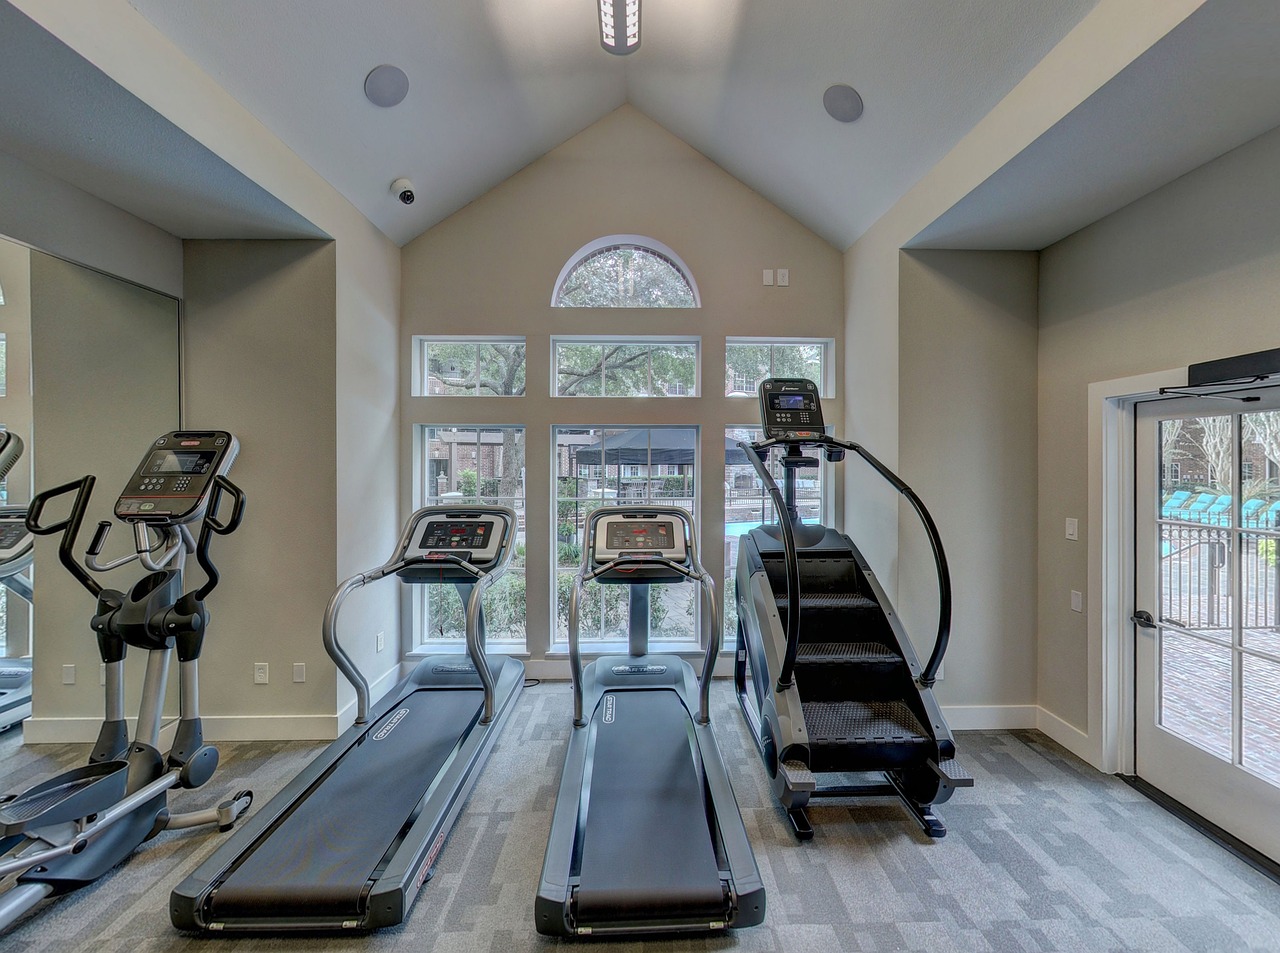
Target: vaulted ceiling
(495,84)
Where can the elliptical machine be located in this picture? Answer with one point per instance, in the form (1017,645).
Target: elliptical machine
(826,677)
(17,549)
(67,832)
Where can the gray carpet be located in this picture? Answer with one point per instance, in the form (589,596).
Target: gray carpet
(1043,855)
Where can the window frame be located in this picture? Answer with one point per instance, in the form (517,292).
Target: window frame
(826,386)
(421,364)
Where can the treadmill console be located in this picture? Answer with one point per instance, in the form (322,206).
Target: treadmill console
(436,536)
(637,535)
(790,409)
(173,482)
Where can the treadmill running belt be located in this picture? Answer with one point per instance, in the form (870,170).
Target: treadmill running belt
(319,859)
(646,853)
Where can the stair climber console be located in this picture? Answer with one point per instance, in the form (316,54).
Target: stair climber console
(66,832)
(827,678)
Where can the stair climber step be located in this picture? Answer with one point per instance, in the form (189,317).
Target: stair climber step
(830,600)
(864,736)
(839,671)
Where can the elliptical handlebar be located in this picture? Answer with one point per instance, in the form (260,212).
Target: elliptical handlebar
(69,527)
(211,525)
(757,454)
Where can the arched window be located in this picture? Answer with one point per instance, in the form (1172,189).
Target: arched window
(625,271)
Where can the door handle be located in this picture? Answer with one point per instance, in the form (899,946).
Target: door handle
(1142,619)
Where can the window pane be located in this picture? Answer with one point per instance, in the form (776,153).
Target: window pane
(1259,605)
(1195,691)
(579,370)
(1260,470)
(626,370)
(452,368)
(595,466)
(748,362)
(477,465)
(1195,581)
(1261,716)
(625,276)
(641,367)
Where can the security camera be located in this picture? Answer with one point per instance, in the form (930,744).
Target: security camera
(403,190)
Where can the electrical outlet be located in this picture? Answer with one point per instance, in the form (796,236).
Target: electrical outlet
(1073,528)
(259,673)
(1077,601)
(68,675)
(299,671)
(381,641)
(768,277)
(784,277)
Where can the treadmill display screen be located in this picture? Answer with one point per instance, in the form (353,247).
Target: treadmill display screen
(790,402)
(452,534)
(640,535)
(180,461)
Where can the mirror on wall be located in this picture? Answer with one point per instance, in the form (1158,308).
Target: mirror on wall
(89,375)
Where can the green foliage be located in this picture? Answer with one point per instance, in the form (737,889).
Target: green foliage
(467,483)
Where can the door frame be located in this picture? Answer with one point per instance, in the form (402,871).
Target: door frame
(1108,743)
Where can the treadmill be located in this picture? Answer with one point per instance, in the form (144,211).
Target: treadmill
(347,845)
(646,835)
(17,550)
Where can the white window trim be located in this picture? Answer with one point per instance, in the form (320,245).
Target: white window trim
(640,241)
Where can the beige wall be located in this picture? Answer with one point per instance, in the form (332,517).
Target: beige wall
(15,411)
(105,384)
(491,268)
(260,354)
(1189,273)
(967,424)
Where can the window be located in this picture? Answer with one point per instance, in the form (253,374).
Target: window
(598,465)
(469,367)
(475,465)
(746,506)
(634,367)
(625,271)
(748,361)
(4,363)
(1173,472)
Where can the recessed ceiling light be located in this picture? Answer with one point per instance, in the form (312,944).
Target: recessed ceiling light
(842,103)
(386,85)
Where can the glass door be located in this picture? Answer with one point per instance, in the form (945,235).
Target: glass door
(1207,726)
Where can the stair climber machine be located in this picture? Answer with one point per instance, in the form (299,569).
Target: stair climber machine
(827,679)
(67,832)
(646,835)
(17,549)
(347,845)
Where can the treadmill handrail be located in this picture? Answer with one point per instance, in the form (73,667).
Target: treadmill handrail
(694,572)
(929,674)
(475,639)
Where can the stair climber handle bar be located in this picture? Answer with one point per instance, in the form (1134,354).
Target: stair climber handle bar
(69,527)
(757,454)
(929,675)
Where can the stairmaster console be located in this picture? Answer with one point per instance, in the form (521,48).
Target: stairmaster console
(790,409)
(173,482)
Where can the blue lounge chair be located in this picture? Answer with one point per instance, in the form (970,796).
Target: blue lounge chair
(1172,507)
(1251,512)
(1219,511)
(1195,510)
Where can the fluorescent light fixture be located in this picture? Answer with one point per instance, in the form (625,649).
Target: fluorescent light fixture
(620,26)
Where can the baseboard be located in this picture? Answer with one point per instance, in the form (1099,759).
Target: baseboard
(990,717)
(1067,735)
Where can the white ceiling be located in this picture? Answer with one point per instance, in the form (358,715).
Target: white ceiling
(494,84)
